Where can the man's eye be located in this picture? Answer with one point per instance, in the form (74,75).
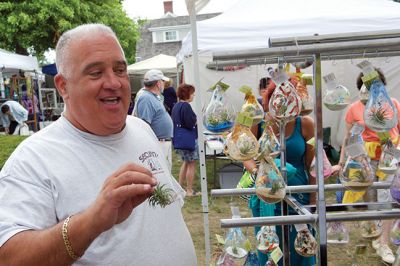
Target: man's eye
(120,71)
(95,74)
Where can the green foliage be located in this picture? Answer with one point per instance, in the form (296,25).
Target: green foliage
(36,25)
(162,196)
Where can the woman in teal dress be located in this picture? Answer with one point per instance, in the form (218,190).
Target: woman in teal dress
(300,155)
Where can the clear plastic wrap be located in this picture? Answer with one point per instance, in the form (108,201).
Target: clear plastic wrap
(267,239)
(388,160)
(241,144)
(251,106)
(235,245)
(305,243)
(380,114)
(371,229)
(270,186)
(337,233)
(337,96)
(285,104)
(219,116)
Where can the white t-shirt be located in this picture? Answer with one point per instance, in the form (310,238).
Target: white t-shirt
(60,170)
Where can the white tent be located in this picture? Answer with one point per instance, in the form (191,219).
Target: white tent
(249,24)
(165,63)
(12,63)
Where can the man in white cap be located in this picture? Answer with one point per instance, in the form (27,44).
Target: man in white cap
(150,108)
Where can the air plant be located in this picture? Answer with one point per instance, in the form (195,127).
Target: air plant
(358,175)
(378,116)
(162,196)
(275,187)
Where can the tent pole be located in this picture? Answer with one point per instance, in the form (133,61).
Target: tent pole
(318,133)
(203,174)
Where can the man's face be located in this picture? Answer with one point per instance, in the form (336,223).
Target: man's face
(96,88)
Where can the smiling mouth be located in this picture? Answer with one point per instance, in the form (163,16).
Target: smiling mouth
(111,100)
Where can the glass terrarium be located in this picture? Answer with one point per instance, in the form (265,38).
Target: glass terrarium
(301,88)
(269,144)
(267,239)
(380,115)
(388,160)
(241,144)
(235,245)
(337,96)
(285,104)
(305,243)
(270,186)
(251,106)
(395,188)
(219,116)
(357,173)
(371,229)
(337,233)
(395,233)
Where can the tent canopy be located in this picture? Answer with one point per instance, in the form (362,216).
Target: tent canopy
(249,24)
(11,63)
(165,63)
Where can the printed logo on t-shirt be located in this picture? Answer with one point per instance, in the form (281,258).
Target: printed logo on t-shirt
(150,159)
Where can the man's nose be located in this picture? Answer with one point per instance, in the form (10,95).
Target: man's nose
(112,81)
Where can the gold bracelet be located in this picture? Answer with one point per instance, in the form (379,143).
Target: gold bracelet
(64,233)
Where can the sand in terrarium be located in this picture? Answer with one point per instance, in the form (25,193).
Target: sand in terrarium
(389,170)
(239,256)
(265,194)
(335,106)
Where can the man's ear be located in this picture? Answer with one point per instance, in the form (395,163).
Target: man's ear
(61,85)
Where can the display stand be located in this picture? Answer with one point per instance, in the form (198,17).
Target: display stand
(315,48)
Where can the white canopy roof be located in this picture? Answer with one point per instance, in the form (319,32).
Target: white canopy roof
(249,24)
(12,63)
(165,63)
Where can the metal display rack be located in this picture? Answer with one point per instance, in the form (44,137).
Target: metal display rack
(315,48)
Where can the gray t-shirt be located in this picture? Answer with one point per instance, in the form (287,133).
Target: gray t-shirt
(151,109)
(60,170)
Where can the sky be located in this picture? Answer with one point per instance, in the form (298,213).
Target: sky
(152,9)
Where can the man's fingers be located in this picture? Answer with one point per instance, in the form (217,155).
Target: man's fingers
(128,178)
(126,168)
(123,193)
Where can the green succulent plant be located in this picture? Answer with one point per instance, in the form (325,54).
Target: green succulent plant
(378,116)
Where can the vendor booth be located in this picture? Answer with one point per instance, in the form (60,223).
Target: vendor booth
(239,46)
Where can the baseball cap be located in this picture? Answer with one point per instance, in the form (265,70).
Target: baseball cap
(154,75)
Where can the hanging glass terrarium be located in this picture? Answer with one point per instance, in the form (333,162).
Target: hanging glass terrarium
(371,229)
(219,116)
(251,106)
(235,245)
(267,239)
(380,114)
(269,144)
(337,96)
(395,188)
(395,233)
(388,160)
(270,186)
(284,104)
(357,173)
(241,144)
(305,243)
(306,100)
(337,233)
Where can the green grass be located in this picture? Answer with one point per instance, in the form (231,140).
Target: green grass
(218,208)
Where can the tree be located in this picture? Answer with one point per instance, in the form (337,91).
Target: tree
(34,26)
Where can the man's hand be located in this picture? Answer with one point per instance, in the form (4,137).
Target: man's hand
(125,189)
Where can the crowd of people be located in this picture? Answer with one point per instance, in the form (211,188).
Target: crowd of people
(74,192)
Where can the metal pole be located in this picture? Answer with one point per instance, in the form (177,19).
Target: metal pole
(309,219)
(291,189)
(318,132)
(203,175)
(284,206)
